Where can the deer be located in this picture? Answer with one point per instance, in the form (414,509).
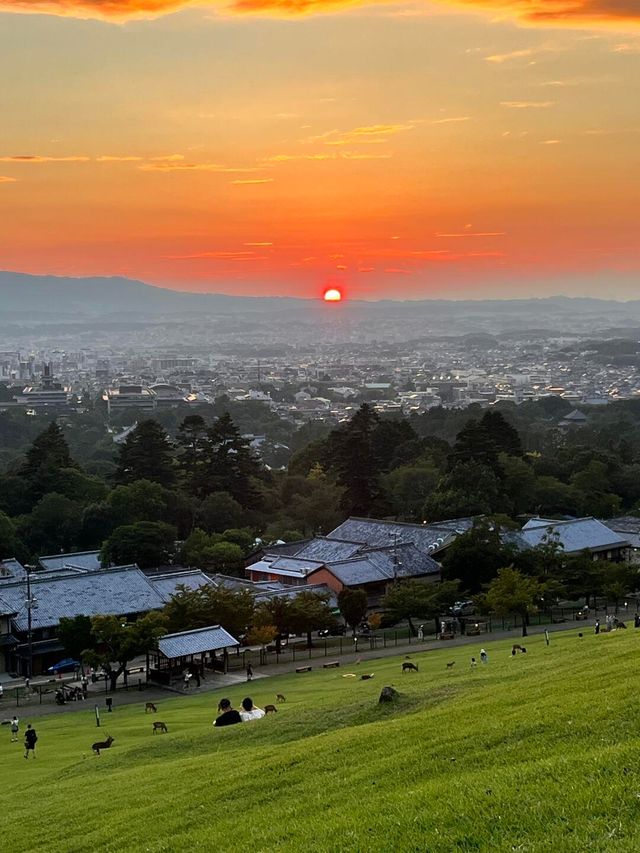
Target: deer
(104,744)
(160,727)
(150,707)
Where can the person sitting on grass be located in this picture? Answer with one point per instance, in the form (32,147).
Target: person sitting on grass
(249,711)
(228,715)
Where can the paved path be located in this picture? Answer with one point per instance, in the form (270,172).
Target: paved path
(215,683)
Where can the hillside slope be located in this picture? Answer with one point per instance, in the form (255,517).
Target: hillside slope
(533,753)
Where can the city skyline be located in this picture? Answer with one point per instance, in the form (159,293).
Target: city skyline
(405,150)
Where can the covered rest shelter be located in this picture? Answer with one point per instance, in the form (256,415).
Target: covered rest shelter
(190,650)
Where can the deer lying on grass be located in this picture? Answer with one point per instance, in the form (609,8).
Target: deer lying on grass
(104,744)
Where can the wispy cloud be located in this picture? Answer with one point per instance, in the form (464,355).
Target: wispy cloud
(473,234)
(115,158)
(499,58)
(38,158)
(5,179)
(333,155)
(451,120)
(173,166)
(253,181)
(526,105)
(374,134)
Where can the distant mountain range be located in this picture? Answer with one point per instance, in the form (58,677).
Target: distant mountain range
(63,305)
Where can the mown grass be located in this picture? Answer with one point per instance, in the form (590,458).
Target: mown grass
(535,753)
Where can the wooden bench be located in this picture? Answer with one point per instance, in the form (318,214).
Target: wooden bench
(330,663)
(303,669)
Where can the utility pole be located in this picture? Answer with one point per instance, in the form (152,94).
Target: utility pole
(31,603)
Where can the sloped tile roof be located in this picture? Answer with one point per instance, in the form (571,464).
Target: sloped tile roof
(578,534)
(167,584)
(88,561)
(195,642)
(118,591)
(326,550)
(11,571)
(429,538)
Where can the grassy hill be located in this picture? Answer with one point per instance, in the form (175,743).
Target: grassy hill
(534,753)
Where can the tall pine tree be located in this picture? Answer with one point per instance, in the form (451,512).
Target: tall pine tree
(146,455)
(351,454)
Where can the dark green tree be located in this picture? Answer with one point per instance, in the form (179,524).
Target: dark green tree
(311,612)
(210,605)
(350,454)
(76,635)
(475,557)
(10,543)
(504,436)
(115,643)
(229,463)
(409,599)
(353,606)
(46,459)
(141,500)
(191,440)
(512,592)
(146,454)
(219,511)
(147,543)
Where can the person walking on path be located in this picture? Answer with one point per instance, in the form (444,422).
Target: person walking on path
(15,728)
(546,636)
(30,739)
(187,679)
(249,672)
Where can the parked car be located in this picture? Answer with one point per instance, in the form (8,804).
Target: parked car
(463,608)
(66,665)
(336,631)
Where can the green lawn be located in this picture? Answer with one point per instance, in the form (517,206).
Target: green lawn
(534,753)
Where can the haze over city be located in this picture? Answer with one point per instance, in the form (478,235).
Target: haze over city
(399,150)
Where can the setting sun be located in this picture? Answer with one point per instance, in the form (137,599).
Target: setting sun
(332,294)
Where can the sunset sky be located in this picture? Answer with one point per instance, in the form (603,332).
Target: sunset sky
(399,150)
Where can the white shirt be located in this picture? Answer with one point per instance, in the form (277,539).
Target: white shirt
(253,714)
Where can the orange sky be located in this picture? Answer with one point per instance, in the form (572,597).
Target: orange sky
(455,149)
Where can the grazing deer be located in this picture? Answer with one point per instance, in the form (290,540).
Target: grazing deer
(105,744)
(270,709)
(280,697)
(451,664)
(150,707)
(407,666)
(160,727)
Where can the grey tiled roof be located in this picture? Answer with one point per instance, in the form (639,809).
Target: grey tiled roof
(628,525)
(384,565)
(118,591)
(11,570)
(579,534)
(426,537)
(88,561)
(196,642)
(166,584)
(327,550)
(6,609)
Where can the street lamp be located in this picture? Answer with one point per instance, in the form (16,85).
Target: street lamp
(31,603)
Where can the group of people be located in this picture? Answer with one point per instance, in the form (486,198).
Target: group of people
(30,737)
(229,716)
(72,694)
